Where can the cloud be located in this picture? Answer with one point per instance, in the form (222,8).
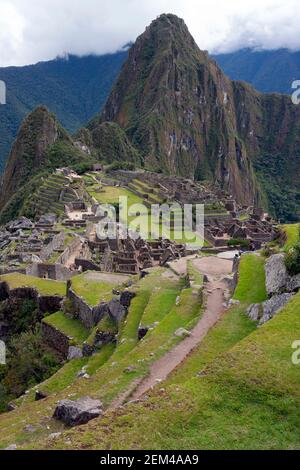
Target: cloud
(33,30)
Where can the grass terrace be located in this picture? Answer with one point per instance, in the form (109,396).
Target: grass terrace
(43,286)
(252,281)
(69,326)
(96,287)
(293,234)
(111,195)
(238,390)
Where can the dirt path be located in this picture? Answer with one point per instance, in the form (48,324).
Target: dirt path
(215,269)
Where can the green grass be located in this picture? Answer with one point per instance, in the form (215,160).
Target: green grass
(248,398)
(251,280)
(108,380)
(292,232)
(69,326)
(111,195)
(43,286)
(93,291)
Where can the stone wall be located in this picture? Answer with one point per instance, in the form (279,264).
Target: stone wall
(46,303)
(55,272)
(55,338)
(81,310)
(72,247)
(56,244)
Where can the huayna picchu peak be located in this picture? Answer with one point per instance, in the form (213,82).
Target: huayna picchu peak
(186,118)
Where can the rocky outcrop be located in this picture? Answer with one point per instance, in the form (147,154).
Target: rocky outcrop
(265,311)
(276,275)
(277,278)
(116,311)
(75,413)
(280,288)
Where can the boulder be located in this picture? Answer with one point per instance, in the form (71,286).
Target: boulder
(126,298)
(182,333)
(272,306)
(266,310)
(116,310)
(39,395)
(277,276)
(255,312)
(75,413)
(74,353)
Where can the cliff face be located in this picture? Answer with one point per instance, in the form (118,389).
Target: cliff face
(187,118)
(38,132)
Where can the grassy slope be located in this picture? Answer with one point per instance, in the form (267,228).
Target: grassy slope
(246,399)
(292,232)
(108,378)
(252,286)
(44,286)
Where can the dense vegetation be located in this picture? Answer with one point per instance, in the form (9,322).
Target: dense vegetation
(268,71)
(276,172)
(292,256)
(28,362)
(74,88)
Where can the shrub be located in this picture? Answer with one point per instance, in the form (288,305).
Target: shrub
(29,362)
(129,166)
(292,260)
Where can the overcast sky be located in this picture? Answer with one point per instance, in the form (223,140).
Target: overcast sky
(33,30)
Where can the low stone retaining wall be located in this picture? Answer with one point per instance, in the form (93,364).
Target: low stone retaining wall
(46,303)
(89,316)
(55,339)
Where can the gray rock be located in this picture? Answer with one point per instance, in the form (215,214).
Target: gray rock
(126,298)
(30,429)
(39,395)
(87,350)
(130,369)
(182,333)
(273,306)
(255,312)
(75,413)
(20,224)
(116,310)
(277,276)
(11,447)
(293,284)
(74,353)
(55,435)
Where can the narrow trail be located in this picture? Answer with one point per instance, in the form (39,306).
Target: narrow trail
(215,269)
